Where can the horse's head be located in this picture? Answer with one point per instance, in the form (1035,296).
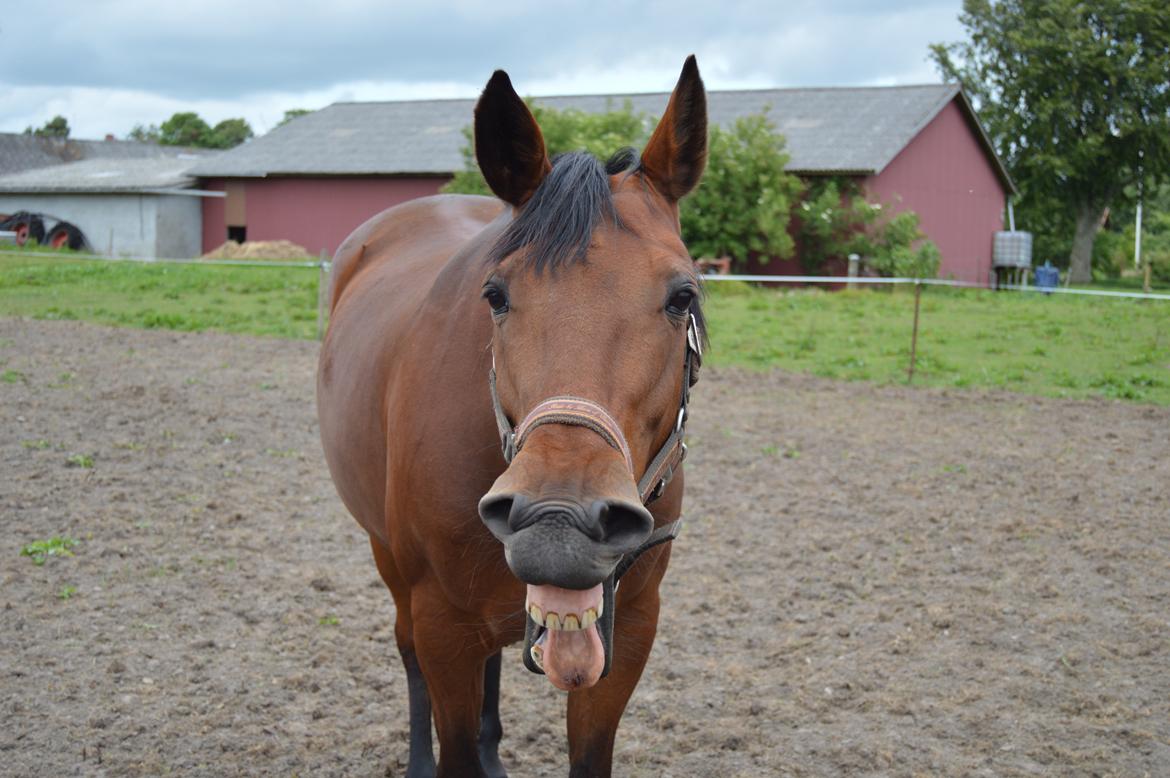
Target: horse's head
(593,297)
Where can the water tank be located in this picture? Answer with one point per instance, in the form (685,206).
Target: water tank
(1012,249)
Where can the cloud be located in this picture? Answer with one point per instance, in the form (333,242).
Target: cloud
(109,65)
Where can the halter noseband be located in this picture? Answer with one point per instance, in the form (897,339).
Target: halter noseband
(579,412)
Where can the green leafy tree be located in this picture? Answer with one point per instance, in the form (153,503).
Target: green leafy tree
(57,127)
(144,133)
(1075,98)
(185,128)
(743,204)
(832,219)
(292,113)
(229,133)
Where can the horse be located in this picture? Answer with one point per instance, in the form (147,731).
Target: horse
(502,396)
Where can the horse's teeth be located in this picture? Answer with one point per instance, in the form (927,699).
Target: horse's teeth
(552,621)
(538,656)
(537,616)
(571,624)
(601,607)
(589,619)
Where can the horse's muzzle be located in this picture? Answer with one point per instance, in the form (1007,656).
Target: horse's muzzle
(563,542)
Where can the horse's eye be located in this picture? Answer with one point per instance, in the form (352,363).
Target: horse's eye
(496,299)
(680,302)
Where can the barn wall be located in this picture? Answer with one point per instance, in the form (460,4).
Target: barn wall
(115,224)
(178,226)
(317,213)
(945,176)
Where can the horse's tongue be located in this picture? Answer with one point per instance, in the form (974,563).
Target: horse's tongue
(573,660)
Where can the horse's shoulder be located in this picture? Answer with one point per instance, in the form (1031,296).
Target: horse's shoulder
(436,225)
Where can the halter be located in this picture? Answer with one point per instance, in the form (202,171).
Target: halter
(580,412)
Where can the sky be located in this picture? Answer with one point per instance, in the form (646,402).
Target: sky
(108,65)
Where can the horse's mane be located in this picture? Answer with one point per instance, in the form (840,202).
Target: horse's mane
(557,223)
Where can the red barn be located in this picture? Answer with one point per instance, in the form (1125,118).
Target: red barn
(314,179)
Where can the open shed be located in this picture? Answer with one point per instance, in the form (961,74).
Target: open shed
(144,207)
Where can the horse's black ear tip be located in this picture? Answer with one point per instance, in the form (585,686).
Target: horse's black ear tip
(691,67)
(499,80)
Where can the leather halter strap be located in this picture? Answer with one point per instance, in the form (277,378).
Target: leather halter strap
(577,411)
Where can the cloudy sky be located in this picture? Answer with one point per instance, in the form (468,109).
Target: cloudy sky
(107,65)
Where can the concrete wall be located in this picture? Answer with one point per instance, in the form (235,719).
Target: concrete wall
(179,226)
(123,225)
(945,176)
(317,213)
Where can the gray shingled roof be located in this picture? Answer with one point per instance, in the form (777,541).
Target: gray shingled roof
(110,174)
(26,152)
(835,130)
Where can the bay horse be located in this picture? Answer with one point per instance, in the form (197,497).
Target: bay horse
(512,457)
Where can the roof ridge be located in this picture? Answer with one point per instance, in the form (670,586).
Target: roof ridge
(752,90)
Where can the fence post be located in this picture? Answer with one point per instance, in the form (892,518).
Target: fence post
(322,287)
(914,335)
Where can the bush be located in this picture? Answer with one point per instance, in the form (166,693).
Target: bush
(744,203)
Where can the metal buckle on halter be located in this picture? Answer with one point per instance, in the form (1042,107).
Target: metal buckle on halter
(694,343)
(682,419)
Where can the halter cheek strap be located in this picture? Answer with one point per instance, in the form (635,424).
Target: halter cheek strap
(579,412)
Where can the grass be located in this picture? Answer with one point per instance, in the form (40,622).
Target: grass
(277,301)
(1059,345)
(40,550)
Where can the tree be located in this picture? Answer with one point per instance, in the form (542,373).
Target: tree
(1075,98)
(57,127)
(229,133)
(743,204)
(186,128)
(292,113)
(144,134)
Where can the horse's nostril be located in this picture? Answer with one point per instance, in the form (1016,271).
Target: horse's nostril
(623,525)
(499,512)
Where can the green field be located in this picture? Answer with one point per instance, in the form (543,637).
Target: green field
(1059,346)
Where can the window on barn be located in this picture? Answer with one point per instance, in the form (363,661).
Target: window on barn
(238,234)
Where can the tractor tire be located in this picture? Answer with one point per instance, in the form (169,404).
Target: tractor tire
(27,226)
(65,235)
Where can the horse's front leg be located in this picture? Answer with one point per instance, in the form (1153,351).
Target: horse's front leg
(453,654)
(594,713)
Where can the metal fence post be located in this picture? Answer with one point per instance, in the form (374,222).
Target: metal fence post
(914,335)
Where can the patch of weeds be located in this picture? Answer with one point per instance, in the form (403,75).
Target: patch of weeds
(11,376)
(267,386)
(954,468)
(792,453)
(40,550)
(79,460)
(770,451)
(66,592)
(328,621)
(282,453)
(129,446)
(192,380)
(40,444)
(1039,351)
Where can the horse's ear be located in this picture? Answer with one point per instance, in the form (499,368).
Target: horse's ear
(508,143)
(676,154)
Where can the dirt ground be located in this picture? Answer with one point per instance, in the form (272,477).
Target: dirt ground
(872,581)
